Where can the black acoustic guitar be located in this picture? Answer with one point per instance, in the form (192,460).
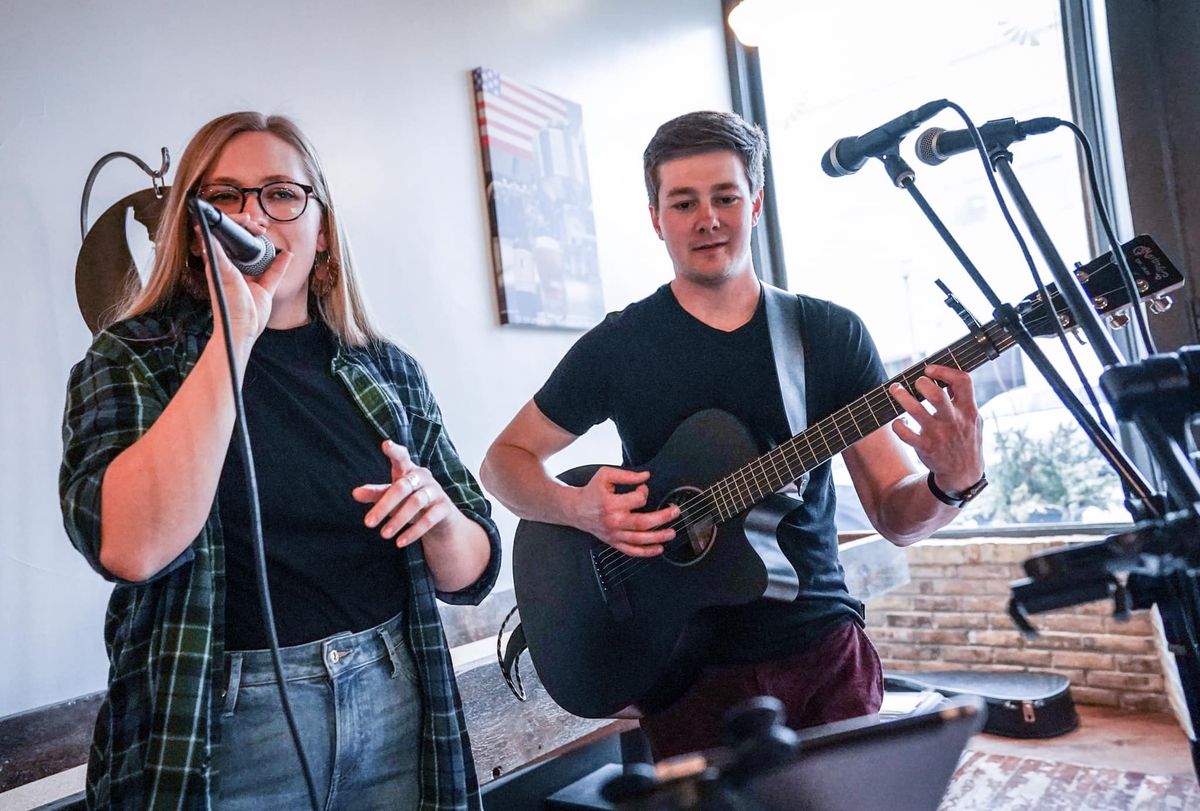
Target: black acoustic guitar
(604,628)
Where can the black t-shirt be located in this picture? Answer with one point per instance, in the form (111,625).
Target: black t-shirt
(652,365)
(311,446)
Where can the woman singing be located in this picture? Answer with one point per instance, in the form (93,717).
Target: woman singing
(367,514)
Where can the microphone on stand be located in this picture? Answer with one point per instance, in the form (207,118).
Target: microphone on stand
(935,144)
(847,155)
(249,253)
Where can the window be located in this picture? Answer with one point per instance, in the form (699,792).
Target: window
(828,72)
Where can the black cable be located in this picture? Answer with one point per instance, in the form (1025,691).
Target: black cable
(1117,251)
(260,554)
(1008,218)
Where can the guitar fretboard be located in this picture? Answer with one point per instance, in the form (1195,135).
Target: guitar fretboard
(751,483)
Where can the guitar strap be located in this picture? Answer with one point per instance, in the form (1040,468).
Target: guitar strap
(787,345)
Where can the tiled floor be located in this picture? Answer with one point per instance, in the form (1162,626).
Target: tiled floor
(1114,761)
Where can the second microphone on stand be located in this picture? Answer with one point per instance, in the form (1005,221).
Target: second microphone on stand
(935,145)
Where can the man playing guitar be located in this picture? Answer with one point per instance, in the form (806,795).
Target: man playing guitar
(702,342)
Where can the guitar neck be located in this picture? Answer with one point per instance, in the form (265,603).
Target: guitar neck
(820,442)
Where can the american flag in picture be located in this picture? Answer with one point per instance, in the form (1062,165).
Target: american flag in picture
(540,204)
(512,115)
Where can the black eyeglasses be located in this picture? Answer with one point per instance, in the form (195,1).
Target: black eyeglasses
(282,201)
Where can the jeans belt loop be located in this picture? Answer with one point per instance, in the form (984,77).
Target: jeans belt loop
(235,680)
(393,654)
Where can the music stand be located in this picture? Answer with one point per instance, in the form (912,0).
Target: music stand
(864,764)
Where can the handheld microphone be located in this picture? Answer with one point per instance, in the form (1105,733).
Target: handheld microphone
(935,144)
(248,253)
(847,155)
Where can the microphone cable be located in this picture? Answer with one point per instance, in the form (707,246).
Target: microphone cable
(260,555)
(1122,261)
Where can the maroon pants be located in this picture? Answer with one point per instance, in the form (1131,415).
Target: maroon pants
(835,678)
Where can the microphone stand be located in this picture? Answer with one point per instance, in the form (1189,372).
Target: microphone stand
(1008,317)
(1068,285)
(1160,558)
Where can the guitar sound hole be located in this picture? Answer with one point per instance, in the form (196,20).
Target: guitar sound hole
(692,543)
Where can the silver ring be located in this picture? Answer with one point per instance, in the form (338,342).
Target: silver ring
(414,481)
(424,494)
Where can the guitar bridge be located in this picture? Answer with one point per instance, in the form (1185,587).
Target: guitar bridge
(609,582)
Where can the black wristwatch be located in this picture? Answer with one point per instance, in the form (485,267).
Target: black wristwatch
(956,498)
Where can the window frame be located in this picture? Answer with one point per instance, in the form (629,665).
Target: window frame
(1094,109)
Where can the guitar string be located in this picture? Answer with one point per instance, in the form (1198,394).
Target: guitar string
(733,493)
(736,485)
(726,500)
(970,350)
(741,494)
(1001,341)
(740,487)
(746,480)
(735,501)
(864,410)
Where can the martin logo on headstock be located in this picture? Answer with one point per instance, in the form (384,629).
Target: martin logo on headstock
(1153,274)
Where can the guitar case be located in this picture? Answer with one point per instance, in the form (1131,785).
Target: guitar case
(1019,705)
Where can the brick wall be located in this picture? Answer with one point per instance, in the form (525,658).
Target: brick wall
(952,614)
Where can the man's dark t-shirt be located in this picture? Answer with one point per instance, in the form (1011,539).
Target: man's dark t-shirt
(652,365)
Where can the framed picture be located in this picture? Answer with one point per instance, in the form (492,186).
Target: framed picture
(539,204)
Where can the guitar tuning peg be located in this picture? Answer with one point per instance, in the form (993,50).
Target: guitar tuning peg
(1160,305)
(1117,320)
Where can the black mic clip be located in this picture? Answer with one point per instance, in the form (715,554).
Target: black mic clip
(935,145)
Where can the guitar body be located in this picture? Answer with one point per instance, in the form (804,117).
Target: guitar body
(604,629)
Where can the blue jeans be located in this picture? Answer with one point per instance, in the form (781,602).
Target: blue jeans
(357,703)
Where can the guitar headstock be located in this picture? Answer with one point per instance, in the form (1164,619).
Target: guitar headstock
(1153,273)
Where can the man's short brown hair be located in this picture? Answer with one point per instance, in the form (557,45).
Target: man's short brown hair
(701,132)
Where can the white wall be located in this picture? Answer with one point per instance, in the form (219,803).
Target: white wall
(383,89)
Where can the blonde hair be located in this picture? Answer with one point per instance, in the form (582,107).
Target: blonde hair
(177,272)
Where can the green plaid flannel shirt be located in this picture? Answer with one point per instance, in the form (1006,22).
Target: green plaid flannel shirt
(157,730)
